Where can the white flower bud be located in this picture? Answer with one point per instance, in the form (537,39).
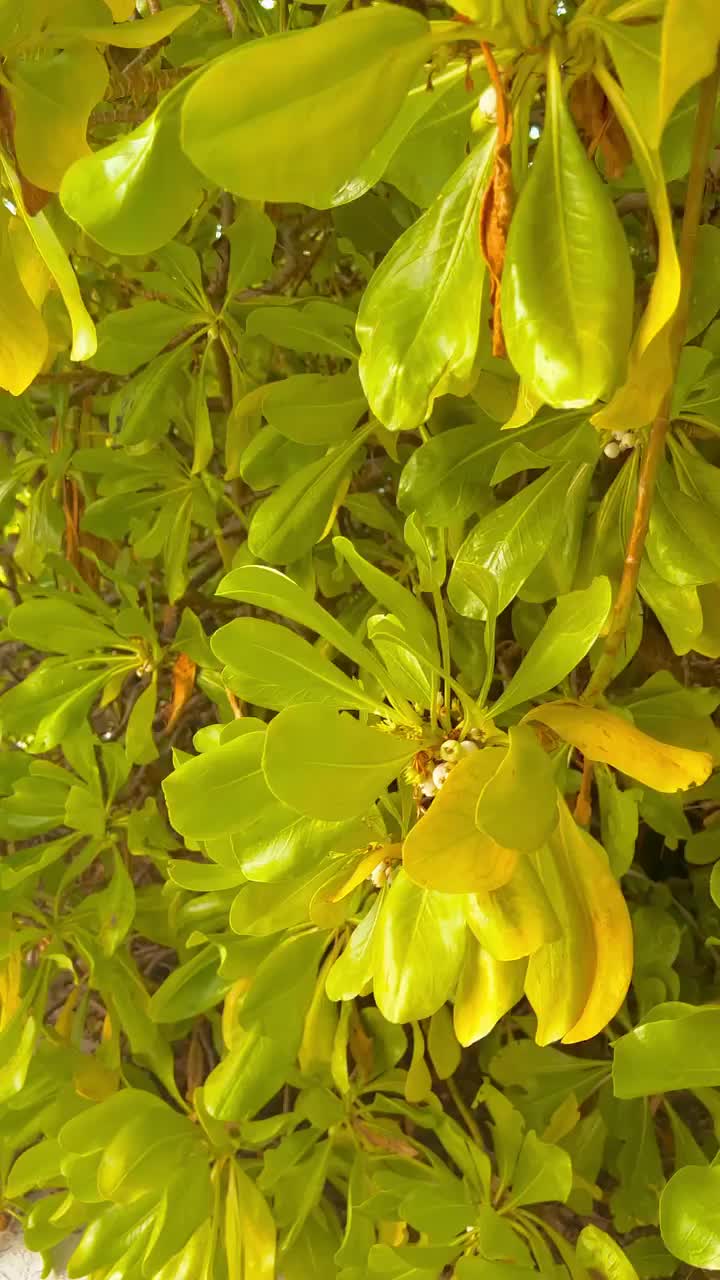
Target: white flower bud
(612,449)
(440,774)
(627,440)
(487,104)
(428,788)
(450,750)
(378,875)
(467,746)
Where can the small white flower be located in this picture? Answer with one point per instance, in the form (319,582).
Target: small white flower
(428,788)
(612,449)
(627,440)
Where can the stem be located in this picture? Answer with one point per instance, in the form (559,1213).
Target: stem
(655,451)
(445,653)
(467,1115)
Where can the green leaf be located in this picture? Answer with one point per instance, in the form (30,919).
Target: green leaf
(296,515)
(419,320)
(134,195)
(239,120)
(618,821)
(62,627)
(690,1216)
(687,53)
(418,948)
(407,608)
(543,1172)
(330,766)
(445,850)
(272,590)
(517,807)
(509,543)
(315,408)
(320,327)
(193,988)
(567,244)
(353,969)
(448,478)
(142,408)
(17,1045)
(677,1047)
(214,793)
(252,240)
(52,97)
(139,741)
(257,1227)
(598,1251)
(130,35)
(682,536)
(271,666)
(568,635)
(129,338)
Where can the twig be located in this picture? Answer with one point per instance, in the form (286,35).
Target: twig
(605,669)
(583,804)
(228,15)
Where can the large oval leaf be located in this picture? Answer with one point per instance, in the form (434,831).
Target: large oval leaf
(419,321)
(344,80)
(418,948)
(330,766)
(690,1214)
(567,288)
(134,195)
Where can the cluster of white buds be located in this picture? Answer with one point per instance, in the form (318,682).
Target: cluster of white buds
(621,440)
(382,874)
(451,752)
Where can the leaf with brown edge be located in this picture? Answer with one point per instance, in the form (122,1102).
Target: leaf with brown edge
(497,205)
(610,739)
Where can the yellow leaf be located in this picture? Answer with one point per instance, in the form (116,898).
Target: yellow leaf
(23,335)
(690,36)
(609,739)
(515,919)
(445,850)
(487,989)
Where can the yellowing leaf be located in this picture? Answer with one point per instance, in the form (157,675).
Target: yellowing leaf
(445,850)
(609,739)
(129,35)
(53,96)
(23,336)
(515,919)
(690,37)
(517,807)
(487,989)
(418,946)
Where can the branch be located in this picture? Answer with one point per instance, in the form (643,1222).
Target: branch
(605,669)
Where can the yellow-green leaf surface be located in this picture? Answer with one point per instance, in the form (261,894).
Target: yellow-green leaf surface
(445,850)
(612,740)
(418,947)
(487,989)
(567,285)
(127,35)
(57,262)
(568,635)
(23,335)
(515,919)
(419,320)
(327,765)
(690,37)
(134,195)
(649,368)
(517,807)
(345,80)
(52,97)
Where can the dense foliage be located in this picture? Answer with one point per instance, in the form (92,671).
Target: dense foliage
(360,608)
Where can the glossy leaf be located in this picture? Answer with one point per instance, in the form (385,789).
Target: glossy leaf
(517,806)
(135,194)
(690,1216)
(418,947)
(53,96)
(330,766)
(419,322)
(568,635)
(566,243)
(238,121)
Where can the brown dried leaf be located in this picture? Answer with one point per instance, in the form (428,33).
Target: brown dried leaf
(497,206)
(183,683)
(599,126)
